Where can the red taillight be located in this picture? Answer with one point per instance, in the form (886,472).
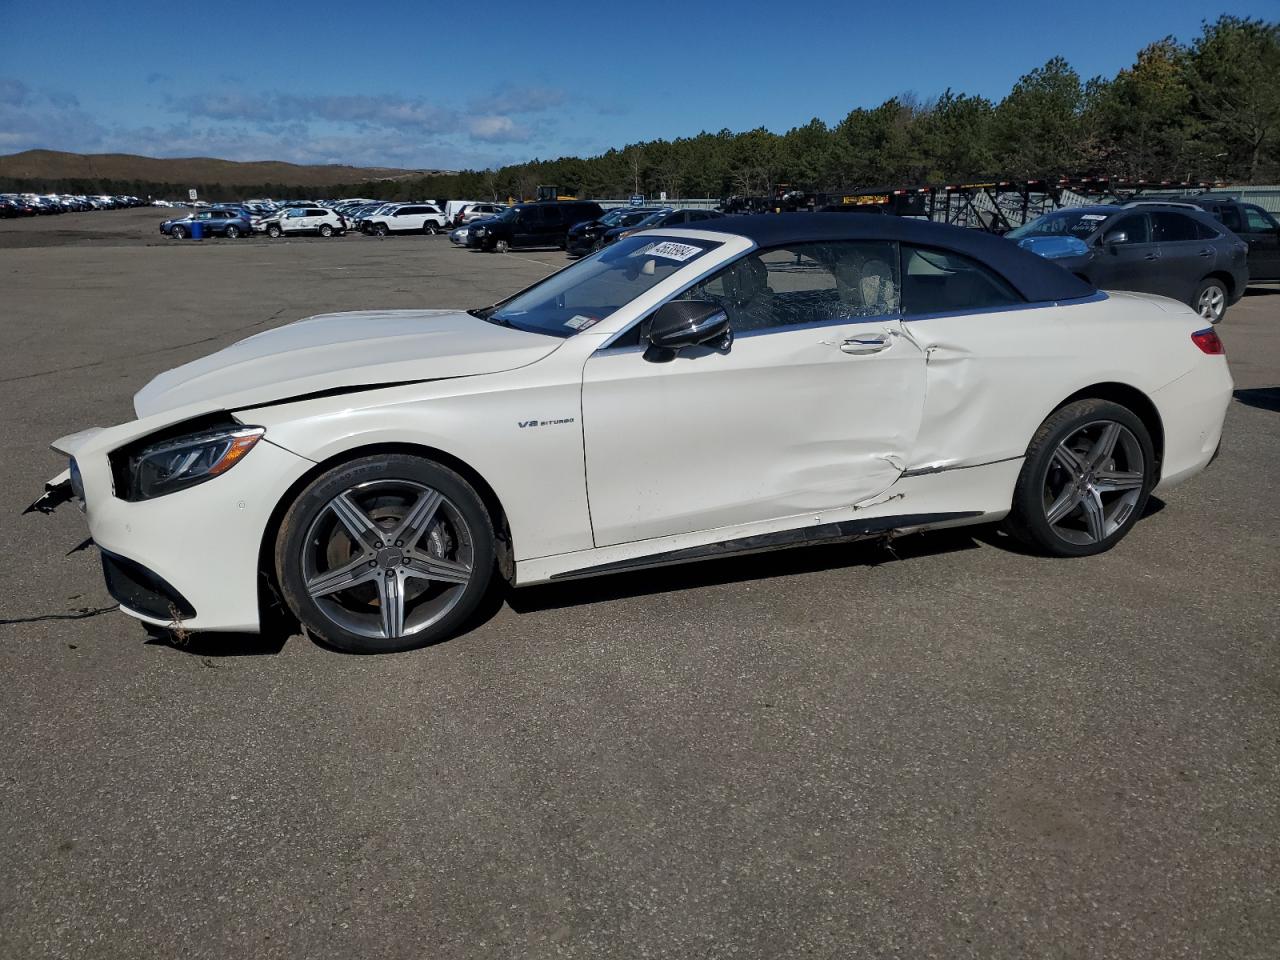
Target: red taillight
(1209,342)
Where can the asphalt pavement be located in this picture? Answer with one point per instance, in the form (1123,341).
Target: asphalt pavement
(947,749)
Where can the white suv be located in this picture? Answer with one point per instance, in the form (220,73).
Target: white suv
(298,220)
(408,218)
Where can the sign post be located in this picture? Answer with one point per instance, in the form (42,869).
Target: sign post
(191,194)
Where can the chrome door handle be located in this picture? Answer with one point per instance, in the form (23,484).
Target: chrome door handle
(870,343)
(1206,253)
(1152,256)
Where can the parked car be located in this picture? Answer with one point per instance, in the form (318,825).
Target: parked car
(545,223)
(588,236)
(1255,226)
(660,218)
(1173,249)
(406,218)
(478,211)
(759,382)
(303,220)
(214,222)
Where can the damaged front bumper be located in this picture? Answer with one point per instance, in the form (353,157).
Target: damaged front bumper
(56,492)
(190,557)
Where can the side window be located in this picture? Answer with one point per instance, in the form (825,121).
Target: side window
(551,214)
(1230,217)
(805,283)
(1173,227)
(937,282)
(1135,227)
(1258,219)
(1205,232)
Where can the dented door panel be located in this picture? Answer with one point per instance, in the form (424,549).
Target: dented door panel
(784,423)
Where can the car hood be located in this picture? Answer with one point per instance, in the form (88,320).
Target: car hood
(342,351)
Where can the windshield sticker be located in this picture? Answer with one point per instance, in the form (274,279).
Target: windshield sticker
(1093,216)
(669,250)
(580,322)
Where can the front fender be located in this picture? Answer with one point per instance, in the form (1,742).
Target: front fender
(526,444)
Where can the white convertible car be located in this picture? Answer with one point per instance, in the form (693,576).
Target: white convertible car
(682,394)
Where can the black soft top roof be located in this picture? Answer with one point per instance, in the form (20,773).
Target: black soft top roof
(1036,278)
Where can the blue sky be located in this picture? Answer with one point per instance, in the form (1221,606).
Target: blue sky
(453,85)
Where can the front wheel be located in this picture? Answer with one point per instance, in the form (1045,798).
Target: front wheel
(326,230)
(502,246)
(179,232)
(1210,300)
(273,232)
(381,230)
(385,553)
(1087,475)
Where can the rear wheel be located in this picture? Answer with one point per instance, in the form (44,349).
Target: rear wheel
(430,228)
(1085,481)
(326,230)
(385,553)
(1210,300)
(233,233)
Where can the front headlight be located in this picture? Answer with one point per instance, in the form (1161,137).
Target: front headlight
(180,462)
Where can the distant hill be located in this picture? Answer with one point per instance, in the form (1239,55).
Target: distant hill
(181,171)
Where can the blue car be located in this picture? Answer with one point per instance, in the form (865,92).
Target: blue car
(214,222)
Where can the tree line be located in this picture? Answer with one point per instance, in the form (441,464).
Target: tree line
(1204,110)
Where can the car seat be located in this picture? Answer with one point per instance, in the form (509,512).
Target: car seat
(750,301)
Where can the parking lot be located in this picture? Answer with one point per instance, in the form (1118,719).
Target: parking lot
(943,749)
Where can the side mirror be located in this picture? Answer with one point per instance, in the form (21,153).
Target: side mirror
(1114,238)
(685,323)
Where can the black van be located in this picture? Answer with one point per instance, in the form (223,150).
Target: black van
(542,224)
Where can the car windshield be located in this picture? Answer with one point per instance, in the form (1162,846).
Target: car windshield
(650,220)
(614,216)
(1071,223)
(582,295)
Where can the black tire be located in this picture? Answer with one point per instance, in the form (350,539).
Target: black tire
(501,246)
(274,231)
(233,233)
(1043,475)
(472,525)
(178,233)
(1210,300)
(326,230)
(381,230)
(430,228)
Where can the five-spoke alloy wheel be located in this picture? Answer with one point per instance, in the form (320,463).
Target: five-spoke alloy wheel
(385,553)
(1085,481)
(1211,300)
